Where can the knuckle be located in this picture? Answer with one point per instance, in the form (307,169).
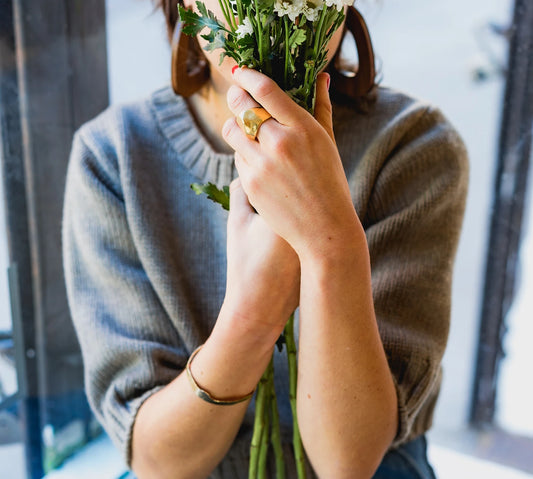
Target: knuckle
(228,128)
(254,183)
(307,136)
(266,168)
(263,89)
(281,147)
(236,98)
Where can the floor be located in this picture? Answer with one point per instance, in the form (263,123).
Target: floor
(446,462)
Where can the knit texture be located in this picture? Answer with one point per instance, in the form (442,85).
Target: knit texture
(145,258)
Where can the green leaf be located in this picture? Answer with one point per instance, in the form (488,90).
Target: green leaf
(247,41)
(220,196)
(265,4)
(215,39)
(297,37)
(292,66)
(246,56)
(194,23)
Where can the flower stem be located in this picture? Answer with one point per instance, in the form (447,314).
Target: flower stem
(263,448)
(259,33)
(275,437)
(259,425)
(287,53)
(240,12)
(299,456)
(228,14)
(318,32)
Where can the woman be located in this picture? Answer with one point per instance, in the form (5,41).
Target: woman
(353,217)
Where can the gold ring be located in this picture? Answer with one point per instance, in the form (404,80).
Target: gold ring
(251,120)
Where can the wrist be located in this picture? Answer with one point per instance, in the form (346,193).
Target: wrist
(232,359)
(257,321)
(251,329)
(340,249)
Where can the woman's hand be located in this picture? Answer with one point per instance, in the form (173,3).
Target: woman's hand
(293,174)
(263,277)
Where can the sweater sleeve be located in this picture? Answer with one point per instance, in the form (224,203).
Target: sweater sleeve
(130,349)
(413,225)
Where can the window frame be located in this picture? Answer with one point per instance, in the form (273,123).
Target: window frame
(53,78)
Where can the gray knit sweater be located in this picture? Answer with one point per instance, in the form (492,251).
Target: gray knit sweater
(145,258)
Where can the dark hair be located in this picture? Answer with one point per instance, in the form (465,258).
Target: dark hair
(170,9)
(361,103)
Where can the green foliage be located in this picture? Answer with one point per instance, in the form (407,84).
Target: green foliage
(215,39)
(297,37)
(292,53)
(220,196)
(194,23)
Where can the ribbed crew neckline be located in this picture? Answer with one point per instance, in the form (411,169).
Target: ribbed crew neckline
(194,150)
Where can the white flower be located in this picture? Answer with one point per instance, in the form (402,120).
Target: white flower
(291,9)
(339,4)
(295,8)
(233,4)
(245,28)
(311,13)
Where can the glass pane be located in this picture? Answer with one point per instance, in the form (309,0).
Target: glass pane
(8,376)
(137,49)
(454,54)
(515,389)
(11,445)
(447,54)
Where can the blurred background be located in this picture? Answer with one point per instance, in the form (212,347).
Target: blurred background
(63,62)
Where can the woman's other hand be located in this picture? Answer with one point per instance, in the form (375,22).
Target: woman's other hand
(293,174)
(263,277)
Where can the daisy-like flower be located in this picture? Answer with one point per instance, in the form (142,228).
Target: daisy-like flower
(295,8)
(245,28)
(291,9)
(312,12)
(339,4)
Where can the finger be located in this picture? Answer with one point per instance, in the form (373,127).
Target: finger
(323,109)
(237,139)
(240,207)
(239,101)
(245,177)
(270,96)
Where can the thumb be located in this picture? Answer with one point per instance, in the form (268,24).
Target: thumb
(323,109)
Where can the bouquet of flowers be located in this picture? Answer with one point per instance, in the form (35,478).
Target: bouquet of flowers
(286,40)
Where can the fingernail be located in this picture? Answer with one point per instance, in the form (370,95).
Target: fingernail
(328,80)
(234,68)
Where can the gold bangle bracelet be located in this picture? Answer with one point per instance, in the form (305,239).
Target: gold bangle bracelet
(202,394)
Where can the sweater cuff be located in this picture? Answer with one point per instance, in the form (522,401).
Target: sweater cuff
(121,421)
(415,413)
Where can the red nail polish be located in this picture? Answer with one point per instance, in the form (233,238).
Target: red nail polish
(234,68)
(328,80)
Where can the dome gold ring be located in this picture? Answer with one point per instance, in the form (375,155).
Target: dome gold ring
(251,120)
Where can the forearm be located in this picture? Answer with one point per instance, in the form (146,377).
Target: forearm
(178,435)
(346,396)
